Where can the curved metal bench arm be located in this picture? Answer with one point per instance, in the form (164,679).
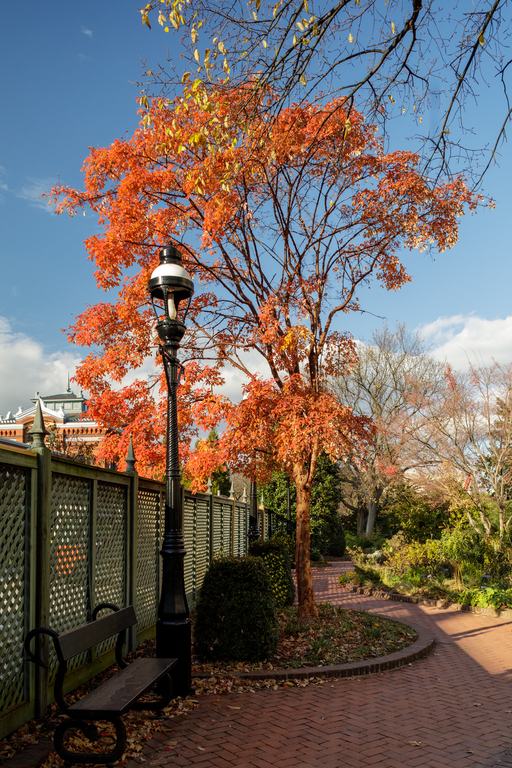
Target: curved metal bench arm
(33,632)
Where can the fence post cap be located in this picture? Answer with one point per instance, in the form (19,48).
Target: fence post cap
(38,430)
(130,459)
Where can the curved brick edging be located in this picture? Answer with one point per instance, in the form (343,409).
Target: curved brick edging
(505,613)
(421,647)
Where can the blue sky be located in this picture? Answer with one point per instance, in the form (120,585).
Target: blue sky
(68,73)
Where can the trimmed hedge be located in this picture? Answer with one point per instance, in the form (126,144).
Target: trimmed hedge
(235,617)
(277,560)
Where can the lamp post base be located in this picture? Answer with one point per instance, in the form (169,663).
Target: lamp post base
(173,641)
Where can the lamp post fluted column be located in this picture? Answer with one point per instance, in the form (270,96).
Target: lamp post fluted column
(170,284)
(254,531)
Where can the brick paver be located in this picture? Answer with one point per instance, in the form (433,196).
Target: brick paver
(453,708)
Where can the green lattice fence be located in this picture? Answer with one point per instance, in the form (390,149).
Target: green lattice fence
(13,537)
(73,536)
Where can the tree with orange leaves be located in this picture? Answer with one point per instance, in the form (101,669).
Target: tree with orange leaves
(280,221)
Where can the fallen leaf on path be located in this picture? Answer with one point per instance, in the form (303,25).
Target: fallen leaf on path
(415,743)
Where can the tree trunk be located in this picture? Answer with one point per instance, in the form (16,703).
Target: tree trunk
(305,595)
(361,522)
(372,514)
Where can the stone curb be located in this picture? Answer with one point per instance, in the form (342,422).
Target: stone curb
(505,613)
(417,650)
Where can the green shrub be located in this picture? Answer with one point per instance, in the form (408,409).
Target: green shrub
(275,556)
(483,598)
(236,616)
(348,578)
(288,542)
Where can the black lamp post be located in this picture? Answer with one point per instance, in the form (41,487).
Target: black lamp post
(254,531)
(170,284)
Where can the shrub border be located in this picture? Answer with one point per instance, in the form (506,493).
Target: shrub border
(421,647)
(495,613)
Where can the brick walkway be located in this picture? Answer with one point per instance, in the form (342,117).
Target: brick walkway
(455,706)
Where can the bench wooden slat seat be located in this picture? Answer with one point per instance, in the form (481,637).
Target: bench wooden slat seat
(118,694)
(115,696)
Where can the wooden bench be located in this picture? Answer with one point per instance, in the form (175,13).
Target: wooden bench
(115,696)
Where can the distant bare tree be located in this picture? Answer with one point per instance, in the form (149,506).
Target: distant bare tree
(464,434)
(389,367)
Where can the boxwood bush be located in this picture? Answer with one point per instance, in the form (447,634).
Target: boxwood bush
(277,559)
(235,617)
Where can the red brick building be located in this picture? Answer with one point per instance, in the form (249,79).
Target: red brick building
(71,433)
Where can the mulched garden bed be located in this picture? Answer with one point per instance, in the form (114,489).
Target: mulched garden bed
(339,636)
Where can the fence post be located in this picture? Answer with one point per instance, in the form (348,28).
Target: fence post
(233,518)
(212,543)
(131,539)
(43,532)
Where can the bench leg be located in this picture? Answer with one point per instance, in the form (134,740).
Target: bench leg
(164,689)
(91,732)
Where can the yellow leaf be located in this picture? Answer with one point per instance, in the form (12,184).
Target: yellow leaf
(300,26)
(295,39)
(350,38)
(303,80)
(196,55)
(255,15)
(276,6)
(185,77)
(193,35)
(481,38)
(392,28)
(258,3)
(421,119)
(306,7)
(264,43)
(222,47)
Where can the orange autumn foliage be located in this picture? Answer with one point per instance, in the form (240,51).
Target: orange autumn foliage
(280,222)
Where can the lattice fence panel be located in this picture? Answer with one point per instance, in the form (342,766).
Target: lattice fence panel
(241,530)
(148,558)
(13,507)
(69,557)
(227,543)
(189,536)
(218,528)
(203,534)
(110,576)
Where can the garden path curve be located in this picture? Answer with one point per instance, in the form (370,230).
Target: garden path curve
(452,709)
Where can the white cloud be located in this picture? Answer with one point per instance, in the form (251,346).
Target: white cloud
(33,190)
(464,338)
(25,368)
(87,32)
(234,378)
(3,172)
